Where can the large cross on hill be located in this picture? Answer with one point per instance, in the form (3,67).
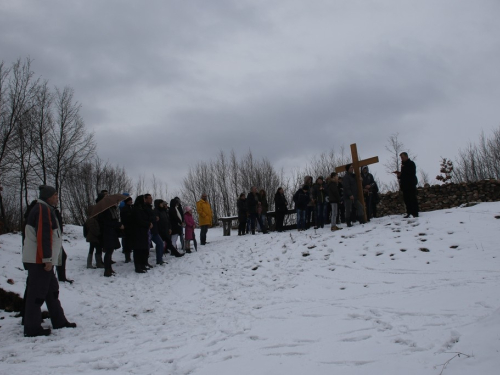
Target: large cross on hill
(358,164)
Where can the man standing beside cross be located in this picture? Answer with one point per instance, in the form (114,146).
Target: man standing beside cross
(354,193)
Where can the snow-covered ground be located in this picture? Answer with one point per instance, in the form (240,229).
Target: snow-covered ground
(395,296)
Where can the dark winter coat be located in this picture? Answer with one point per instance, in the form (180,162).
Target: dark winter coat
(319,193)
(368,180)
(176,216)
(301,199)
(164,222)
(408,177)
(154,219)
(350,186)
(333,192)
(252,202)
(93,230)
(141,222)
(127,218)
(308,180)
(109,224)
(263,203)
(241,204)
(280,203)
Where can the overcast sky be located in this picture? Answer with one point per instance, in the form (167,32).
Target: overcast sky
(165,84)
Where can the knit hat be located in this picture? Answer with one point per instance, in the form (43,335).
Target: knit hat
(188,209)
(46,192)
(347,167)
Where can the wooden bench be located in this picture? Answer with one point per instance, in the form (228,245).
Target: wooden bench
(227,222)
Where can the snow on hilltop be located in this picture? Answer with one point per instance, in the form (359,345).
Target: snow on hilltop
(394,296)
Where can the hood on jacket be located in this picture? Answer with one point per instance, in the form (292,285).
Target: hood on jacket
(157,203)
(139,201)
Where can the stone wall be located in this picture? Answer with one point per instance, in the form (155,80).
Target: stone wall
(438,197)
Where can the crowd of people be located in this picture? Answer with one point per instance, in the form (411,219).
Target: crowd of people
(333,200)
(141,224)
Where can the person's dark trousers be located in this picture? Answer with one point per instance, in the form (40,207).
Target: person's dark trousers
(349,206)
(253,218)
(280,218)
(42,286)
(126,249)
(61,270)
(242,226)
(328,213)
(368,205)
(310,217)
(320,215)
(108,259)
(411,201)
(137,260)
(203,234)
(341,214)
(301,219)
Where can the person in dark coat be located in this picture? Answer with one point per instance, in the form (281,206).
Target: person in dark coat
(281,208)
(301,199)
(142,223)
(311,206)
(264,207)
(334,199)
(93,237)
(319,195)
(163,222)
(110,225)
(253,204)
(127,219)
(408,183)
(370,189)
(176,216)
(155,232)
(351,196)
(341,213)
(241,204)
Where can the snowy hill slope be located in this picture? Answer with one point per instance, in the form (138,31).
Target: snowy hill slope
(394,296)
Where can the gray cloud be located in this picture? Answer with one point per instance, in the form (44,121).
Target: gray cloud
(166,84)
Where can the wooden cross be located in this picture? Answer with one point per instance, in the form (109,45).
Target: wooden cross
(358,164)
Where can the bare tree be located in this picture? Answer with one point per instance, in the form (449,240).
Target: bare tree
(479,161)
(70,145)
(18,88)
